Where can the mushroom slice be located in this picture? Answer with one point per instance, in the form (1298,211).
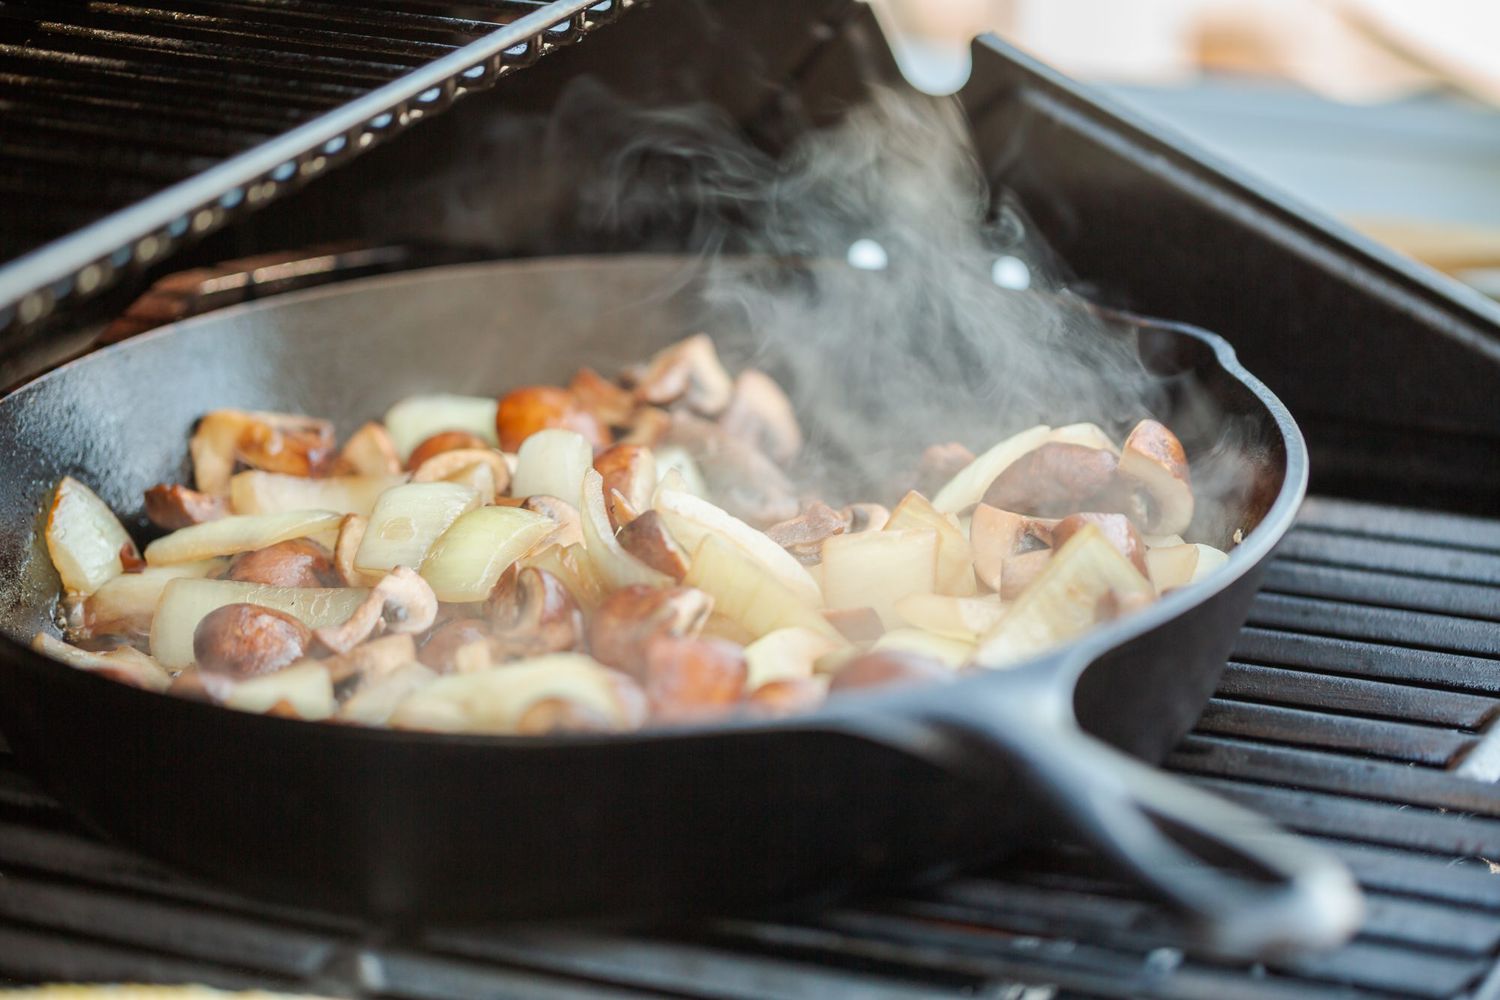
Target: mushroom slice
(552,463)
(1064,601)
(955,565)
(255,492)
(787,653)
(124,605)
(402,601)
(445,441)
(1054,480)
(534,408)
(495,701)
(967,487)
(692,678)
(372,659)
(646,537)
(417,418)
(126,665)
(238,533)
(631,617)
(1179,565)
(185,601)
(300,562)
(531,614)
(287,443)
(453,464)
(939,464)
(761,415)
(998,536)
(374,700)
(963,618)
(247,640)
(788,696)
(351,533)
(630,470)
(610,404)
(407,520)
(688,372)
(467,560)
(88,544)
(571,565)
(865,517)
(875,569)
(567,523)
(690,520)
(804,534)
(614,566)
(1116,527)
(368,452)
(648,426)
(301,691)
(170,506)
(745,591)
(1153,461)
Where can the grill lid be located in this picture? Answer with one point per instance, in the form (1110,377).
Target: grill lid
(132,127)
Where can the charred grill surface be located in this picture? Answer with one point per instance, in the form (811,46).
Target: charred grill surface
(1356,710)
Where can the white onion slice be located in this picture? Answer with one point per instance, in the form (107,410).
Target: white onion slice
(304,686)
(127,602)
(84,538)
(407,520)
(256,492)
(943,648)
(745,592)
(616,567)
(467,560)
(955,560)
(238,533)
(416,418)
(968,487)
(129,664)
(786,653)
(184,602)
(875,569)
(691,519)
(551,463)
(493,701)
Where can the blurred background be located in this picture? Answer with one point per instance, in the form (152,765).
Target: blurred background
(1382,113)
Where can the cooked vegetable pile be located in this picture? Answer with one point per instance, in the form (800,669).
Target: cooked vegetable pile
(601,557)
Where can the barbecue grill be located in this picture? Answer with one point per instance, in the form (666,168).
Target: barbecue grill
(1356,704)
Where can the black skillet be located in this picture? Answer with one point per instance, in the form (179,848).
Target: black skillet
(876,789)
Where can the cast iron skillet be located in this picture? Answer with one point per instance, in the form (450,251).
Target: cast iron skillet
(875,789)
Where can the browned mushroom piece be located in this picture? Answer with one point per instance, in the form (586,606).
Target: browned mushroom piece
(247,640)
(629,469)
(351,534)
(1021,570)
(939,464)
(690,678)
(368,452)
(300,562)
(443,441)
(688,372)
(569,524)
(531,613)
(788,696)
(803,535)
(564,715)
(741,478)
(997,537)
(402,602)
(648,425)
(1154,466)
(864,517)
(621,511)
(439,650)
(1117,529)
(856,624)
(1054,480)
(760,414)
(170,506)
(450,464)
(370,661)
(524,411)
(647,538)
(291,444)
(609,403)
(631,617)
(886,667)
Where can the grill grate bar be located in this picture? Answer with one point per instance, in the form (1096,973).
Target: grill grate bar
(1374,699)
(1337,655)
(1370,520)
(1376,737)
(1410,559)
(1410,628)
(1382,588)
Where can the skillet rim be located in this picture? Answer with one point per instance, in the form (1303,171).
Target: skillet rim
(1073,656)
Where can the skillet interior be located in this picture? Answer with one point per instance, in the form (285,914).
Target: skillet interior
(120,420)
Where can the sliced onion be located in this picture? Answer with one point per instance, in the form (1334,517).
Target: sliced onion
(126,603)
(691,519)
(675,458)
(493,701)
(616,567)
(257,492)
(416,418)
(304,687)
(955,561)
(746,592)
(1179,565)
(786,653)
(84,538)
(238,533)
(967,488)
(373,701)
(1063,601)
(875,569)
(184,602)
(551,463)
(571,565)
(468,559)
(407,520)
(964,618)
(943,648)
(1088,435)
(125,664)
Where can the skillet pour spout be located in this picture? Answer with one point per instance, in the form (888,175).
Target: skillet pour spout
(877,789)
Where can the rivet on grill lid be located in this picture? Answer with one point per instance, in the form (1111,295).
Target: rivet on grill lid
(232,197)
(335,145)
(474,72)
(88,279)
(382,120)
(430,94)
(285,172)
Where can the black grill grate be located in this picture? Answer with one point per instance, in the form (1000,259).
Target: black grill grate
(134,126)
(1367,676)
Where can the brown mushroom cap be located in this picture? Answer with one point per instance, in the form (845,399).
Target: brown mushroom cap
(631,617)
(1054,480)
(788,696)
(629,469)
(741,478)
(688,678)
(1116,528)
(402,602)
(300,562)
(524,411)
(441,442)
(688,372)
(761,415)
(170,506)
(247,640)
(569,530)
(646,537)
(885,667)
(438,650)
(940,463)
(368,452)
(865,517)
(1154,463)
(531,613)
(609,403)
(804,534)
(291,444)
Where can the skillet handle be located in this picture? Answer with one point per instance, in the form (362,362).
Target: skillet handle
(1250,889)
